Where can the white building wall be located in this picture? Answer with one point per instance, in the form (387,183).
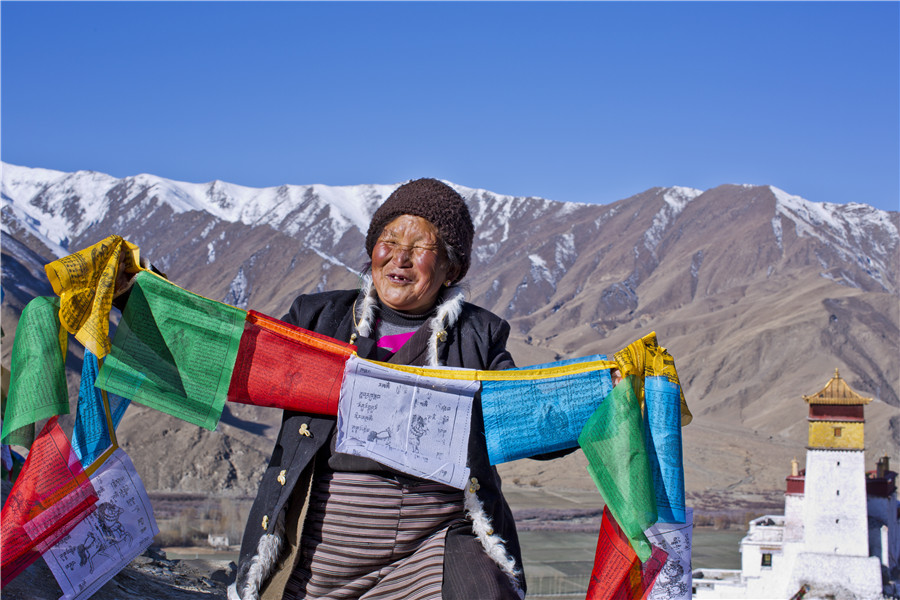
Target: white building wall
(793,518)
(837,577)
(834,508)
(766,536)
(719,584)
(774,582)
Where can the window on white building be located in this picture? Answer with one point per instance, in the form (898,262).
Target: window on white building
(767,559)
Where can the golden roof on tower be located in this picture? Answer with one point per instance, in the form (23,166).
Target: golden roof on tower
(836,391)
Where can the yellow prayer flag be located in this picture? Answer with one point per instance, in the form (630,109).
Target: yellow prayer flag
(646,358)
(85,283)
(460,374)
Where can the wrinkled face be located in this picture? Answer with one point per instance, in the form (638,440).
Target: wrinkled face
(409,265)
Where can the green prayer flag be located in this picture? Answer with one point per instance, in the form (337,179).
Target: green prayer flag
(613,442)
(174,351)
(37,387)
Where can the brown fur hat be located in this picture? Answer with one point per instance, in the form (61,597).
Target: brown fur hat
(437,203)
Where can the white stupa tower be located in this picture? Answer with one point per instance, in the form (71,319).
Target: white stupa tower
(840,530)
(834,558)
(834,506)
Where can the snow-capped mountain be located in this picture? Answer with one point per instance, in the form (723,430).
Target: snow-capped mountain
(855,243)
(758,293)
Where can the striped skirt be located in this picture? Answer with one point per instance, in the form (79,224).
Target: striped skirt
(373,538)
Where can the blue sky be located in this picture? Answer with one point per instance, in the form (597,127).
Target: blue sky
(581,101)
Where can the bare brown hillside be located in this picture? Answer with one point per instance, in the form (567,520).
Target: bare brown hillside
(757,294)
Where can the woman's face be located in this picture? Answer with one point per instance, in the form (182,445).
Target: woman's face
(409,265)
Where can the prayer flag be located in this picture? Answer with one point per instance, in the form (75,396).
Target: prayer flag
(541,413)
(676,580)
(415,424)
(38,380)
(662,400)
(613,442)
(50,496)
(618,574)
(91,435)
(284,366)
(85,282)
(174,351)
(646,358)
(658,388)
(531,403)
(119,529)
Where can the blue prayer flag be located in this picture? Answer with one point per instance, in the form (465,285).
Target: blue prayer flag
(662,428)
(527,417)
(91,437)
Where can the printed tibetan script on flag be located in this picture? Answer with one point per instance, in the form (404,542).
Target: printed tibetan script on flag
(414,424)
(675,580)
(101,545)
(50,496)
(618,574)
(284,366)
(662,401)
(174,351)
(613,443)
(91,435)
(542,411)
(85,282)
(37,387)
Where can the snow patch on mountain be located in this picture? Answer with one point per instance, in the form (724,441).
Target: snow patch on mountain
(674,201)
(492,213)
(565,250)
(55,207)
(777,231)
(27,180)
(844,221)
(334,261)
(348,206)
(807,216)
(228,200)
(179,196)
(482,253)
(857,232)
(239,291)
(540,271)
(15,218)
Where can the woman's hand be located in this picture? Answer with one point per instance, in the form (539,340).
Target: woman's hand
(616,376)
(124,280)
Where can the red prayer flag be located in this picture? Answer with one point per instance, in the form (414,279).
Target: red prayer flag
(51,495)
(284,366)
(618,572)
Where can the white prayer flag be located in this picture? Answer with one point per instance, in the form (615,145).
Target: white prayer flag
(101,545)
(675,580)
(414,424)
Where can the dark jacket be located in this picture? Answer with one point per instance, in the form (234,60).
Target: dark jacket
(474,339)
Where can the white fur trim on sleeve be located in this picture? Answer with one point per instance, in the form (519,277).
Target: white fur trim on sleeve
(267,551)
(232,592)
(446,316)
(493,544)
(365,317)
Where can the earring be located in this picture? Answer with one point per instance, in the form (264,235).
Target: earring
(447,283)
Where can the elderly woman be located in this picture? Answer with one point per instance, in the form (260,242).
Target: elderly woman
(331,525)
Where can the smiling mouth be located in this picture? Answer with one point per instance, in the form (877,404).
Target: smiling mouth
(399,279)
